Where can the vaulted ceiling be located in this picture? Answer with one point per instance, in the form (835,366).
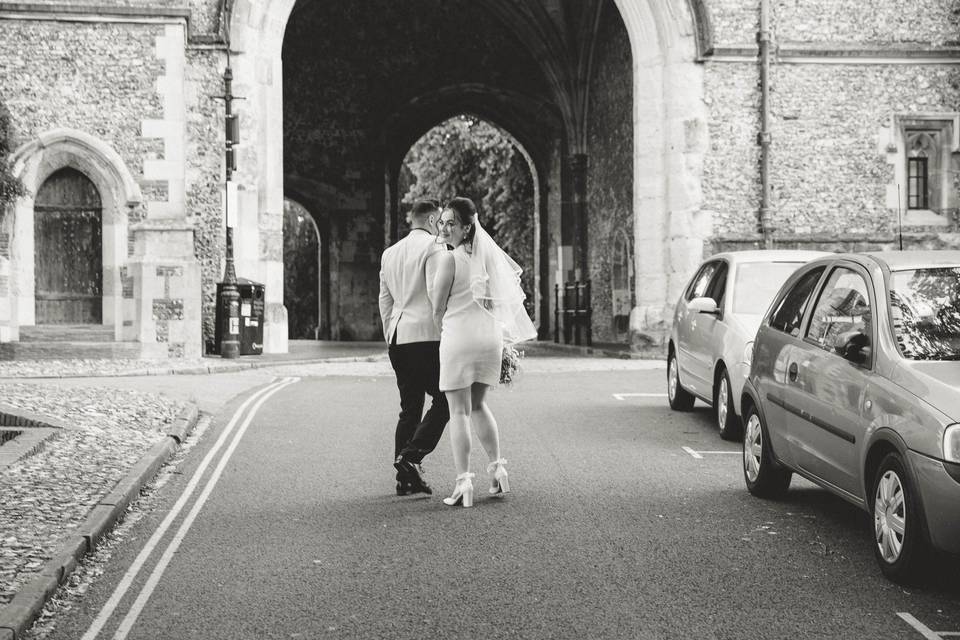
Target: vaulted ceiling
(559,35)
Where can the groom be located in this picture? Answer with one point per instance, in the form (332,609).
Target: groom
(407,271)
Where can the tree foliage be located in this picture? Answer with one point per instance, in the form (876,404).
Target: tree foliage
(10,187)
(466,156)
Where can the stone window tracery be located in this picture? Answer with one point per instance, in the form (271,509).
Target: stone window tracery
(926,153)
(923,161)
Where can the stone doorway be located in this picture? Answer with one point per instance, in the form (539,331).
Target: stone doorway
(471,156)
(68,250)
(302,273)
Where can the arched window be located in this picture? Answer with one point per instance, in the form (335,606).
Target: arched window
(68,250)
(922,165)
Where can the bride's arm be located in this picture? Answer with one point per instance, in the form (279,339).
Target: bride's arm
(442,283)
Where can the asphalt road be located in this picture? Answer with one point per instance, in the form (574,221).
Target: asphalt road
(613,530)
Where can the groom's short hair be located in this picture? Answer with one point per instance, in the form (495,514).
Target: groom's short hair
(423,208)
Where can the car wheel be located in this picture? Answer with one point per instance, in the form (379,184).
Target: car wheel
(680,398)
(899,542)
(723,405)
(765,477)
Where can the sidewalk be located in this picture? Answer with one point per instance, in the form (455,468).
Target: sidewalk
(80,437)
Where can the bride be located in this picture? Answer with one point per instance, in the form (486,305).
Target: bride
(478,304)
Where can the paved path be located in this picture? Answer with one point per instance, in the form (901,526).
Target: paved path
(613,530)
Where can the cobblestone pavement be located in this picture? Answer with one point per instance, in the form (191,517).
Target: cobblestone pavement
(49,491)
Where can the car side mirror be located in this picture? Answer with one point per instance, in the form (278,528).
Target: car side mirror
(704,305)
(853,346)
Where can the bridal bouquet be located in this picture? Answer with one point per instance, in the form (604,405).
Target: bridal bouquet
(510,364)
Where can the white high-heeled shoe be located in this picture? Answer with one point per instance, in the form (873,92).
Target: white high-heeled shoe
(462,492)
(500,482)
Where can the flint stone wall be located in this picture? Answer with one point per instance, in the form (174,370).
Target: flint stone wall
(832,170)
(95,77)
(935,22)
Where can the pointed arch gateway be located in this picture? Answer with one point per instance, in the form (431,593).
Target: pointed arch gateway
(667,38)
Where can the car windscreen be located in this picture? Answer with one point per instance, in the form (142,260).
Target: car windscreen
(925,307)
(757,282)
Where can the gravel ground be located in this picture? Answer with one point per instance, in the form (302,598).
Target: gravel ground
(75,368)
(48,493)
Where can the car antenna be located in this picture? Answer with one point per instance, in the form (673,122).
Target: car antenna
(899,219)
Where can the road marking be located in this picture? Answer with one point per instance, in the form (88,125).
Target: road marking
(698,456)
(131,618)
(924,630)
(622,396)
(97,625)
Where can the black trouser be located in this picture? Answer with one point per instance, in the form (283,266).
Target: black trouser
(417,366)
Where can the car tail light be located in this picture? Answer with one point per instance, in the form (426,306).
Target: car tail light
(951,444)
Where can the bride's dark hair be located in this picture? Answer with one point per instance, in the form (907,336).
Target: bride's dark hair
(466,213)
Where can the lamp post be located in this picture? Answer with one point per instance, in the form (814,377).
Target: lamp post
(229,299)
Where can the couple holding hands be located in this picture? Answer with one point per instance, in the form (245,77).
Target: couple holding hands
(450,299)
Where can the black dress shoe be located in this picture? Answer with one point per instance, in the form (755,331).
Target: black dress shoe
(404,488)
(413,475)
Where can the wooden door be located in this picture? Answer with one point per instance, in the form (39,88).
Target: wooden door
(68,250)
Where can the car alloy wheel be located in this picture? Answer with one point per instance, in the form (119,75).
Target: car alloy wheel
(673,380)
(728,422)
(889,516)
(723,398)
(753,448)
(680,398)
(765,477)
(901,542)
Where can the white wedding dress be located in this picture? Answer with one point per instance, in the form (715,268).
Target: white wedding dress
(471,339)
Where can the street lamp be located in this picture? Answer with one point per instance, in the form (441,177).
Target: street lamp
(228,302)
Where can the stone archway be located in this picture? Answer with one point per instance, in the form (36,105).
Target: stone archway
(34,162)
(667,38)
(670,140)
(302,251)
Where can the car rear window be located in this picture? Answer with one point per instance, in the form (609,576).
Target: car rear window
(757,282)
(925,308)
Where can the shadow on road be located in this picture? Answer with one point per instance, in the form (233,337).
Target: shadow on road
(942,576)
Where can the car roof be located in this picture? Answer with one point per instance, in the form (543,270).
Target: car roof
(769,255)
(898,260)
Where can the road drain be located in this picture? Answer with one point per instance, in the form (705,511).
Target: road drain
(17,444)
(6,435)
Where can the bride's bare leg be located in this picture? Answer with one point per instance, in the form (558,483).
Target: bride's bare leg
(459,428)
(489,435)
(484,422)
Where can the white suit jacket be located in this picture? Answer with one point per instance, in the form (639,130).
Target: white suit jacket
(406,282)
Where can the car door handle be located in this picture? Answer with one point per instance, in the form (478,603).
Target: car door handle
(792,371)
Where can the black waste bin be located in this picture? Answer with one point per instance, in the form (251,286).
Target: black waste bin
(251,318)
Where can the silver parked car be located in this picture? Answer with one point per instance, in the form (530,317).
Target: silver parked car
(716,316)
(855,385)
